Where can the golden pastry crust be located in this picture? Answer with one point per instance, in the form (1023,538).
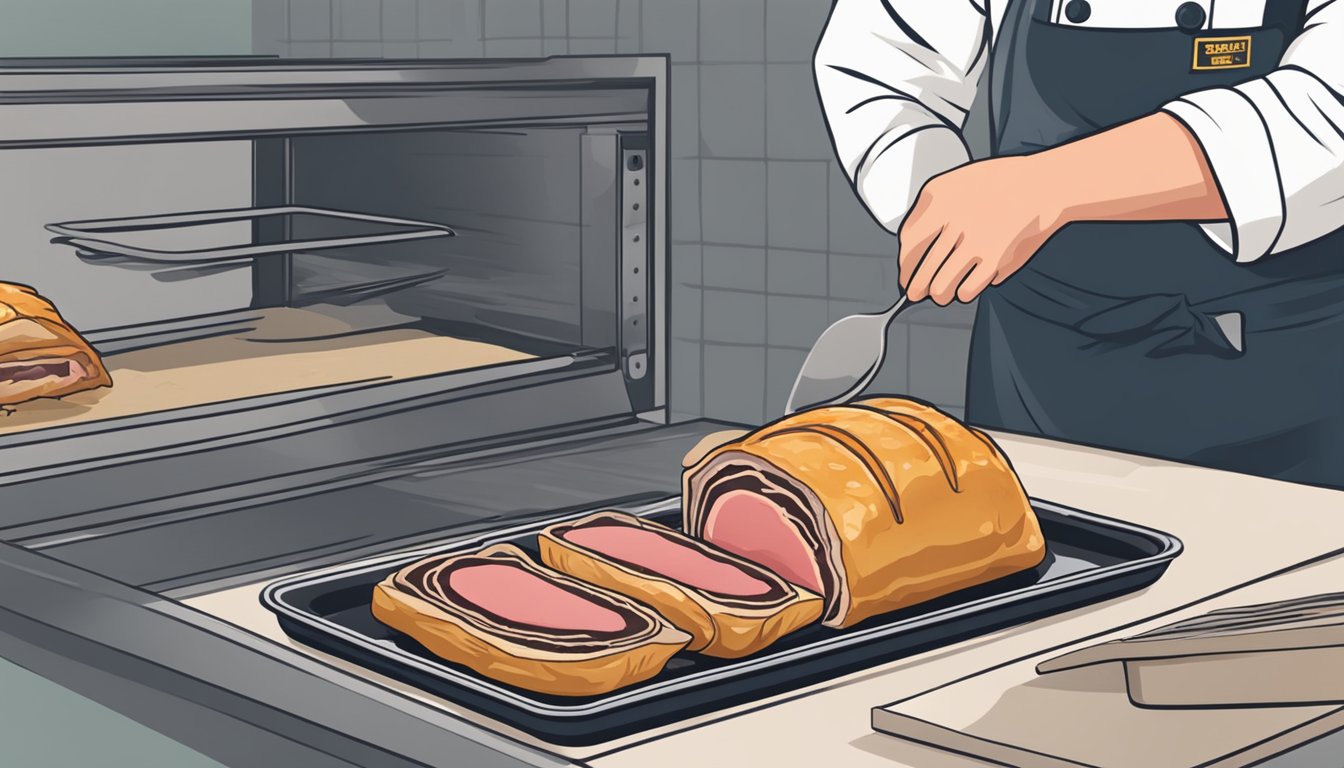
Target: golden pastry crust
(460,638)
(718,628)
(910,503)
(32,331)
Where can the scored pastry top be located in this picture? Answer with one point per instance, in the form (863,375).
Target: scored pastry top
(901,447)
(876,505)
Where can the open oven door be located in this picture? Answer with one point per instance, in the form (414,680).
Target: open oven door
(213,535)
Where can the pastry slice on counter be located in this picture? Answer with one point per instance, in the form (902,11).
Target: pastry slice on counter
(40,354)
(730,606)
(876,505)
(512,620)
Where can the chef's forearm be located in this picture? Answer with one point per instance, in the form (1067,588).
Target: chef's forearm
(1151,169)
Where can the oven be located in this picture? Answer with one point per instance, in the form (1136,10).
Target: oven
(297,272)
(348,308)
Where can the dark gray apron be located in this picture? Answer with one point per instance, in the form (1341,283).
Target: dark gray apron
(1107,336)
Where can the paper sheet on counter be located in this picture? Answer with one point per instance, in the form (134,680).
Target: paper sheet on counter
(1083,716)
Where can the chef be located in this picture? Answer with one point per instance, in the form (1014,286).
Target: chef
(1156,240)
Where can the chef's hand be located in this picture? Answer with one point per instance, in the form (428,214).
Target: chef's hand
(976,225)
(972,227)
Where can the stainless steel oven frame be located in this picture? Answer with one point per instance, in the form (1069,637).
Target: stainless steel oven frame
(620,101)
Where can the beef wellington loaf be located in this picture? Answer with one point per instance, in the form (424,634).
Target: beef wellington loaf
(730,606)
(512,620)
(877,505)
(40,354)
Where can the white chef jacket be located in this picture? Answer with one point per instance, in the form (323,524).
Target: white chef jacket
(895,108)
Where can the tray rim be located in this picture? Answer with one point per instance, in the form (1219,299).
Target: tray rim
(272,597)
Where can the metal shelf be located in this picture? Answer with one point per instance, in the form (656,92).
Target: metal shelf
(212,237)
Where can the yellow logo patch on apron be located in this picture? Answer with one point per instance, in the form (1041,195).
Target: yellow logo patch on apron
(1222,52)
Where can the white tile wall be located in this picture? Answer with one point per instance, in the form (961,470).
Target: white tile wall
(797,214)
(797,273)
(795,321)
(732,110)
(734,267)
(734,382)
(733,201)
(734,317)
(795,129)
(732,30)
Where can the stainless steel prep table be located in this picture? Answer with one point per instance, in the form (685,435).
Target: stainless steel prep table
(200,549)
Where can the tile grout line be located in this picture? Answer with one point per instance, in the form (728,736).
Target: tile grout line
(765,142)
(700,201)
(828,241)
(786,160)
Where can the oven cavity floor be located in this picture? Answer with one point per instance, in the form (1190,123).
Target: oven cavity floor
(284,351)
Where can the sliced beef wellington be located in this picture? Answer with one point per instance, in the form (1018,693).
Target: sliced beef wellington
(731,607)
(40,354)
(512,620)
(877,505)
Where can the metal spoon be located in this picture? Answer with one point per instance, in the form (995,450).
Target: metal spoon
(843,361)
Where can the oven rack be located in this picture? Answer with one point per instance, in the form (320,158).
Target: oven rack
(271,233)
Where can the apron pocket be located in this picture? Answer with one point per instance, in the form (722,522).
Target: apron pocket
(1164,324)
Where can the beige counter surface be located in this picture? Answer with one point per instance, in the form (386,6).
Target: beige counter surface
(1083,716)
(1236,530)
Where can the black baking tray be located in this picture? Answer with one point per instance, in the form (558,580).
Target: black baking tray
(1089,559)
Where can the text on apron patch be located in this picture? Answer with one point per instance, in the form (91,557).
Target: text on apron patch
(1222,52)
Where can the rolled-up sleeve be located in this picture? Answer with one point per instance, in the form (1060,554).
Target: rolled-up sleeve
(1275,144)
(896,79)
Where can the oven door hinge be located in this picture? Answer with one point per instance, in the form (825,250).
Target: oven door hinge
(634,249)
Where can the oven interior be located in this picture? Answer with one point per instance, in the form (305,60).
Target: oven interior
(521,264)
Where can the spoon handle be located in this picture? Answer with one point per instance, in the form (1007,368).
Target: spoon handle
(868,377)
(895,308)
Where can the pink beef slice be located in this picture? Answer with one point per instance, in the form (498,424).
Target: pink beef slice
(758,528)
(668,557)
(521,597)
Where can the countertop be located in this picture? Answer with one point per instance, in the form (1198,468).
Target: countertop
(1083,716)
(1236,530)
